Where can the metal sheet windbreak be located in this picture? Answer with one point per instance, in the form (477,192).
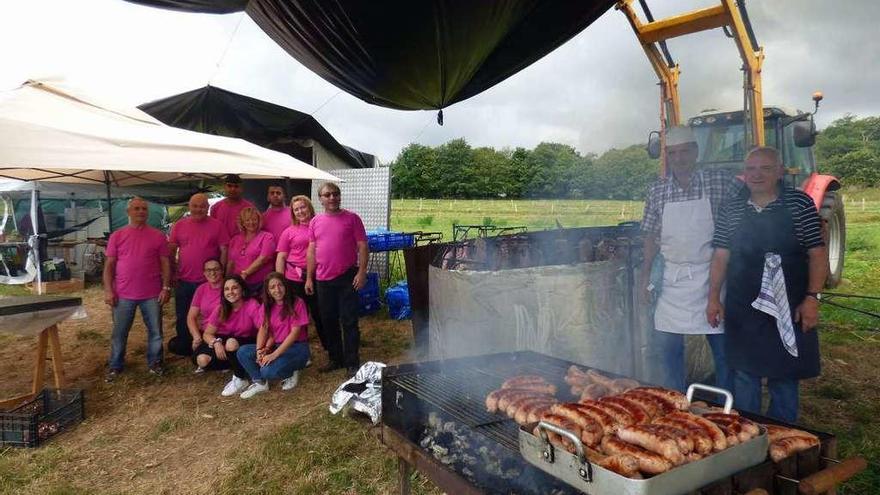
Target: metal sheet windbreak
(367,192)
(575,312)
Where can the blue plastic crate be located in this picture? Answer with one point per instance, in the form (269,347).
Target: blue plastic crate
(389,241)
(369,294)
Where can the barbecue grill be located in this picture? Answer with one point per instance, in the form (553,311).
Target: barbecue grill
(434,418)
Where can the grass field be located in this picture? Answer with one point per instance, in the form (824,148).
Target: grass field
(175,435)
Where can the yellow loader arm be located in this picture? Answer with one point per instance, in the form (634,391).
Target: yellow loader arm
(652,36)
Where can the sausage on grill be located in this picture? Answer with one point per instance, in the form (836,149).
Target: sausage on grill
(515,393)
(601,379)
(788,446)
(649,462)
(622,464)
(516,405)
(620,414)
(594,391)
(635,410)
(521,416)
(535,412)
(664,406)
(678,399)
(609,425)
(776,432)
(620,385)
(653,441)
(719,440)
(591,431)
(681,437)
(702,441)
(563,423)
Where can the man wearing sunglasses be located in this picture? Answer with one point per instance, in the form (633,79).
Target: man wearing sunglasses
(336,267)
(194,239)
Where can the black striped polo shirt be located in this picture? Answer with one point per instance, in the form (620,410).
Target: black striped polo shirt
(807,226)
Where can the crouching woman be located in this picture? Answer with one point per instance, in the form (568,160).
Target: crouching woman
(232,325)
(282,347)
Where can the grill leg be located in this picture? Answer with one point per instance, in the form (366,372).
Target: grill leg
(404,469)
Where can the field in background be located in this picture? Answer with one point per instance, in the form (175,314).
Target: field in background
(438,215)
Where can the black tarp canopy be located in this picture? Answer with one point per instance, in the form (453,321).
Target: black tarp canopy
(412,54)
(213,110)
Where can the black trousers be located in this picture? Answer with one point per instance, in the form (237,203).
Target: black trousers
(339,309)
(181,343)
(231,357)
(299,288)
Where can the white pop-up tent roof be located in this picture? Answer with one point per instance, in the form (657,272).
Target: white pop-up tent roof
(49,132)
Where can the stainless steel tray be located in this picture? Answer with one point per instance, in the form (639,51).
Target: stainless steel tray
(578,472)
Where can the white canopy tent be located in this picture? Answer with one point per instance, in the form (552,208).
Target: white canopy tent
(50,132)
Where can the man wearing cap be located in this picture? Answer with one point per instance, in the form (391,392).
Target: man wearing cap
(194,240)
(679,222)
(227,209)
(276,218)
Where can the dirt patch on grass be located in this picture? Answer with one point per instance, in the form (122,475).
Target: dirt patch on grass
(173,434)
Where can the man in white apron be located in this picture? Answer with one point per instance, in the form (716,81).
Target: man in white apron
(679,223)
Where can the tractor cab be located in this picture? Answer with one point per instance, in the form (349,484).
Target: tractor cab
(721,137)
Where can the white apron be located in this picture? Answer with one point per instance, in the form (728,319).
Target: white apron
(686,245)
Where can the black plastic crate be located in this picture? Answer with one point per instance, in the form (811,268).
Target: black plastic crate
(49,413)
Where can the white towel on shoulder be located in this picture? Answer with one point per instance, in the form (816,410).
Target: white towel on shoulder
(773,300)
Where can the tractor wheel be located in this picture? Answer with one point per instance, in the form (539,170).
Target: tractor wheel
(834,231)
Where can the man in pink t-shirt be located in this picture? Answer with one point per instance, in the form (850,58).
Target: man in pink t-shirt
(137,274)
(276,218)
(194,239)
(336,266)
(227,209)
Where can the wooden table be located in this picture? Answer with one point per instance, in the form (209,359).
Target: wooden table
(48,339)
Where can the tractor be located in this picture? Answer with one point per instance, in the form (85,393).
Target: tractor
(724,137)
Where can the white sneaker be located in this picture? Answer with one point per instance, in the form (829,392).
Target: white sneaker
(198,370)
(254,389)
(234,387)
(290,382)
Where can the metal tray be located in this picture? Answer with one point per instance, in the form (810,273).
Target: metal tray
(576,470)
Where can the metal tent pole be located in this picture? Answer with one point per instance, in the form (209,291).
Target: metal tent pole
(109,203)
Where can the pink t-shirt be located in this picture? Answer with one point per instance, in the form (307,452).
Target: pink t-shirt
(241,323)
(275,220)
(295,242)
(242,254)
(336,237)
(137,251)
(280,327)
(227,212)
(207,299)
(197,242)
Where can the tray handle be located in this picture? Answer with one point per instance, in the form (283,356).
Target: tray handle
(728,397)
(586,469)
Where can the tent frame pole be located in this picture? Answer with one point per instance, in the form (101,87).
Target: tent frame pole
(109,203)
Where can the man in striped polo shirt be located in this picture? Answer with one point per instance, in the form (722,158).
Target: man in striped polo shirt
(768,223)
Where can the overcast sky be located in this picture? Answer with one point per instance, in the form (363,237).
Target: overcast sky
(595,92)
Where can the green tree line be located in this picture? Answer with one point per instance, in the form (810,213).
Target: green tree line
(849,148)
(550,170)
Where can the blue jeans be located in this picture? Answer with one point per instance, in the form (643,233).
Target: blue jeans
(783,395)
(123,316)
(294,358)
(669,362)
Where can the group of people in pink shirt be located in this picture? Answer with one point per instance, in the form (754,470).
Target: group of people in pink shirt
(245,284)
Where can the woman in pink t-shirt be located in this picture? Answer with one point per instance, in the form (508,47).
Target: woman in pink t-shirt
(251,251)
(204,301)
(233,324)
(291,260)
(282,347)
